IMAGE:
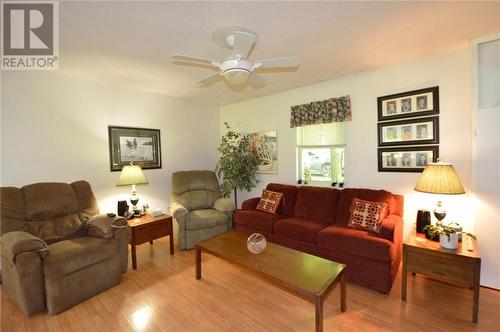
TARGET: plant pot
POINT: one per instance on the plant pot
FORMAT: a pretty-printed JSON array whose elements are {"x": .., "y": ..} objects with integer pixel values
[{"x": 452, "y": 243}]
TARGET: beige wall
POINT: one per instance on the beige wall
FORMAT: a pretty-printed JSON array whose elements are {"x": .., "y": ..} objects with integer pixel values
[
  {"x": 450, "y": 71},
  {"x": 55, "y": 128},
  {"x": 487, "y": 156}
]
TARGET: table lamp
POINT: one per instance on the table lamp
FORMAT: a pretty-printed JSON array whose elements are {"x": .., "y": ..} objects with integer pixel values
[
  {"x": 440, "y": 178},
  {"x": 132, "y": 175}
]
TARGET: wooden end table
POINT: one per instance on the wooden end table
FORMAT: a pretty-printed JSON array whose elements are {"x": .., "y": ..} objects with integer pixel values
[
  {"x": 282, "y": 266},
  {"x": 461, "y": 267},
  {"x": 147, "y": 228}
]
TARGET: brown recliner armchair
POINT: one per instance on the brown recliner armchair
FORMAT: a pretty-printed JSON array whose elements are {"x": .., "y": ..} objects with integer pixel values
[{"x": 56, "y": 251}]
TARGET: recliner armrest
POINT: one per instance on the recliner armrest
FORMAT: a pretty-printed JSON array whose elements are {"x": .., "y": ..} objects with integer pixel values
[
  {"x": 103, "y": 226},
  {"x": 17, "y": 242},
  {"x": 392, "y": 228},
  {"x": 178, "y": 210},
  {"x": 224, "y": 205},
  {"x": 250, "y": 204}
]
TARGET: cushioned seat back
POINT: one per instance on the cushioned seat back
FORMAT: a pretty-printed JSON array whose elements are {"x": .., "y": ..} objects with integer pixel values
[
  {"x": 195, "y": 189},
  {"x": 346, "y": 196},
  {"x": 290, "y": 192},
  {"x": 317, "y": 203},
  {"x": 50, "y": 211}
]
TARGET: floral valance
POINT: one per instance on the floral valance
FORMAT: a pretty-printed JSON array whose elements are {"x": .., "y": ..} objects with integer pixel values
[{"x": 324, "y": 111}]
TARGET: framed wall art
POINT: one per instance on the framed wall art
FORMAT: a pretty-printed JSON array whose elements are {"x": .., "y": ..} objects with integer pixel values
[
  {"x": 406, "y": 159},
  {"x": 409, "y": 104},
  {"x": 265, "y": 146},
  {"x": 409, "y": 132},
  {"x": 138, "y": 145}
]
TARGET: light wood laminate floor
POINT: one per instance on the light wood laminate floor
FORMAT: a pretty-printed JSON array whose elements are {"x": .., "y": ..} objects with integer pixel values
[{"x": 163, "y": 295}]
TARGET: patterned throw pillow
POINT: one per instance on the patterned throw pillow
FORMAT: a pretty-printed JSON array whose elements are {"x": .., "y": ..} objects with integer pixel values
[
  {"x": 367, "y": 215},
  {"x": 270, "y": 201}
]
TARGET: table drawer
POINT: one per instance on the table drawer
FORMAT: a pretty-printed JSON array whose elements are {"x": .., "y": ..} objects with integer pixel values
[
  {"x": 150, "y": 232},
  {"x": 453, "y": 270}
]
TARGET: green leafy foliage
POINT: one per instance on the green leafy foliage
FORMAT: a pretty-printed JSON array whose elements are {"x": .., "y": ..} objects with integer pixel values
[
  {"x": 237, "y": 164},
  {"x": 440, "y": 228}
]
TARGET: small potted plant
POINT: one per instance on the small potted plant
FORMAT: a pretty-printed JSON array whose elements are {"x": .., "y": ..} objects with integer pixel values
[{"x": 448, "y": 234}]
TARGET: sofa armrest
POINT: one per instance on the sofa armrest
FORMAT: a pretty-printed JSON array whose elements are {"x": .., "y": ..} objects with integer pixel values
[
  {"x": 179, "y": 213},
  {"x": 178, "y": 210},
  {"x": 15, "y": 243},
  {"x": 392, "y": 228},
  {"x": 103, "y": 226},
  {"x": 224, "y": 205},
  {"x": 250, "y": 204}
]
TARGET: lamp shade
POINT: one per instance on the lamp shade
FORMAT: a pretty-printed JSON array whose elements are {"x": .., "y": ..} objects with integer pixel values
[
  {"x": 440, "y": 178},
  {"x": 130, "y": 175}
]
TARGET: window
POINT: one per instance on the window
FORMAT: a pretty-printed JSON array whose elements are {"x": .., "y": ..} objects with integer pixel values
[{"x": 320, "y": 152}]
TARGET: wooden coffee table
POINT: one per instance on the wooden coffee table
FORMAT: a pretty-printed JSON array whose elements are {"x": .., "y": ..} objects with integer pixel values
[
  {"x": 147, "y": 228},
  {"x": 282, "y": 266}
]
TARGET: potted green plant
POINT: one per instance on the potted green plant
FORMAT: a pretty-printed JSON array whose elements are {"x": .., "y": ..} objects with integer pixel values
[
  {"x": 448, "y": 234},
  {"x": 237, "y": 164}
]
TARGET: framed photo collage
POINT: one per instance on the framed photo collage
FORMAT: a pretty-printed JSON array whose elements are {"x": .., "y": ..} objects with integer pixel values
[{"x": 408, "y": 130}]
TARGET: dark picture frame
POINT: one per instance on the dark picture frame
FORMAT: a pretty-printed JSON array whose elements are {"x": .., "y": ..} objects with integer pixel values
[
  {"x": 141, "y": 146},
  {"x": 406, "y": 159},
  {"x": 409, "y": 132},
  {"x": 423, "y": 102}
]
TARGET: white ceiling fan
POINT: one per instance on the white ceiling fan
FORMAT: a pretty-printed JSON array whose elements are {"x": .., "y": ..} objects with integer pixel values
[{"x": 237, "y": 69}]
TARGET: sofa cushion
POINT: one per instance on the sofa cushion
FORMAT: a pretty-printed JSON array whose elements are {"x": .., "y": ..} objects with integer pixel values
[
  {"x": 346, "y": 196},
  {"x": 355, "y": 242},
  {"x": 366, "y": 215},
  {"x": 257, "y": 219},
  {"x": 288, "y": 205},
  {"x": 206, "y": 218},
  {"x": 87, "y": 202},
  {"x": 270, "y": 201},
  {"x": 57, "y": 228},
  {"x": 195, "y": 189},
  {"x": 301, "y": 229},
  {"x": 12, "y": 214},
  {"x": 318, "y": 204},
  {"x": 45, "y": 201},
  {"x": 69, "y": 256}
]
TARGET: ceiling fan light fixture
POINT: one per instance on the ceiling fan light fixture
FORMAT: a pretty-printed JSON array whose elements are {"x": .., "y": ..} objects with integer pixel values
[
  {"x": 236, "y": 68},
  {"x": 236, "y": 76}
]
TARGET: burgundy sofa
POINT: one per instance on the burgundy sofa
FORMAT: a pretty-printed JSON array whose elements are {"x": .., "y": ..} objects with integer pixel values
[{"x": 314, "y": 219}]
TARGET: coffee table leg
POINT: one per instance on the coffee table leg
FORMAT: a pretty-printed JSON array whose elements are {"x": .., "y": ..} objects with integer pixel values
[
  {"x": 134, "y": 257},
  {"x": 197, "y": 255},
  {"x": 343, "y": 293},
  {"x": 319, "y": 313}
]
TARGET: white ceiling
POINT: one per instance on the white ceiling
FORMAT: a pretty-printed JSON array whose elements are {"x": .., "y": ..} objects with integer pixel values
[{"x": 129, "y": 43}]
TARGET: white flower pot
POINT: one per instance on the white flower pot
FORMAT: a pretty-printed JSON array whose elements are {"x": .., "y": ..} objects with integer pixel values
[{"x": 452, "y": 243}]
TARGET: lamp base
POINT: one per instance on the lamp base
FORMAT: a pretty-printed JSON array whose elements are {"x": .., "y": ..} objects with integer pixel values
[{"x": 439, "y": 211}]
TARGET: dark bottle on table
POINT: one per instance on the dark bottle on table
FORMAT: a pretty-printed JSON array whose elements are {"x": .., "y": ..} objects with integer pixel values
[{"x": 423, "y": 219}]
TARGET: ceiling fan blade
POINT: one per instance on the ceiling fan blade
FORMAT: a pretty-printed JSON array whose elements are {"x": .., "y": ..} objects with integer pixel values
[
  {"x": 242, "y": 43},
  {"x": 210, "y": 78},
  {"x": 256, "y": 81},
  {"x": 194, "y": 59},
  {"x": 285, "y": 62}
]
